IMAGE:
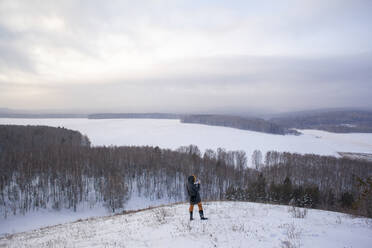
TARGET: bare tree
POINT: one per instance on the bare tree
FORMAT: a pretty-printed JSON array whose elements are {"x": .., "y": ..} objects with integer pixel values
[{"x": 257, "y": 159}]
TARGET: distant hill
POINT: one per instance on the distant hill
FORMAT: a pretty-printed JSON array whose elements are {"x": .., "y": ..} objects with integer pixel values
[
  {"x": 134, "y": 116},
  {"x": 338, "y": 121},
  {"x": 5, "y": 110},
  {"x": 37, "y": 114},
  {"x": 331, "y": 120},
  {"x": 41, "y": 116},
  {"x": 253, "y": 124}
]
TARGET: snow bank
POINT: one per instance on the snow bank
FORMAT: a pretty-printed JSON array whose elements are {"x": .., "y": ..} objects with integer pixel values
[{"x": 230, "y": 224}]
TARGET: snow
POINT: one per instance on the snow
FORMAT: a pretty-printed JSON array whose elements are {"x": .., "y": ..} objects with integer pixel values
[
  {"x": 44, "y": 217},
  {"x": 230, "y": 224},
  {"x": 173, "y": 134}
]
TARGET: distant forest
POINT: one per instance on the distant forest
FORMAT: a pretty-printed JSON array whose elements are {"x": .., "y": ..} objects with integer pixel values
[
  {"x": 55, "y": 168},
  {"x": 41, "y": 116},
  {"x": 338, "y": 121},
  {"x": 342, "y": 121},
  {"x": 253, "y": 124},
  {"x": 134, "y": 116}
]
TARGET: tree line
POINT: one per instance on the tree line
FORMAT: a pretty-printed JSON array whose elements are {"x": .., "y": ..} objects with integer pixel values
[
  {"x": 309, "y": 180},
  {"x": 56, "y": 168},
  {"x": 337, "y": 121},
  {"x": 245, "y": 123}
]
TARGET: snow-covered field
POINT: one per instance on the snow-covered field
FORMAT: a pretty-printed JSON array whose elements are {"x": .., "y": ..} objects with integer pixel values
[
  {"x": 173, "y": 134},
  {"x": 230, "y": 224}
]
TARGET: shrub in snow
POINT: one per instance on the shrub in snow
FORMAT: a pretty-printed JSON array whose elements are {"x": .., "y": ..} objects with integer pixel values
[
  {"x": 297, "y": 212},
  {"x": 161, "y": 214}
]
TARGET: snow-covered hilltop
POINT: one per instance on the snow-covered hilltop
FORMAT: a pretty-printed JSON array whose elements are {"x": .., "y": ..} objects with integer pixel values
[{"x": 230, "y": 224}]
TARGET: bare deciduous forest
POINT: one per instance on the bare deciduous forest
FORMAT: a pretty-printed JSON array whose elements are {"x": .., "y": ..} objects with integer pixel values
[
  {"x": 245, "y": 123},
  {"x": 56, "y": 168}
]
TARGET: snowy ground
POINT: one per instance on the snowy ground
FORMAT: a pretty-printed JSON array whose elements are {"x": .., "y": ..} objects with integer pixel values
[
  {"x": 43, "y": 217},
  {"x": 173, "y": 134},
  {"x": 230, "y": 224}
]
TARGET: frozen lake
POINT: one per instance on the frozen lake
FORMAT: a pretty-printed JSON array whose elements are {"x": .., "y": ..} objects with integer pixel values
[{"x": 173, "y": 134}]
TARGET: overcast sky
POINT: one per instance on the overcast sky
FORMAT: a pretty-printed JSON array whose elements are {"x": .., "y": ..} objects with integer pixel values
[{"x": 185, "y": 56}]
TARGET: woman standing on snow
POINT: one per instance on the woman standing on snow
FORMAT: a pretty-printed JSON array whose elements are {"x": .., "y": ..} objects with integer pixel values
[{"x": 193, "y": 187}]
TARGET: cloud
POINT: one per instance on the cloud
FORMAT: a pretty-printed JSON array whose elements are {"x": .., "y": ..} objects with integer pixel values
[{"x": 185, "y": 55}]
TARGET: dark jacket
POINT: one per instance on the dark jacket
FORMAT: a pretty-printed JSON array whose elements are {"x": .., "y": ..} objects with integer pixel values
[{"x": 193, "y": 190}]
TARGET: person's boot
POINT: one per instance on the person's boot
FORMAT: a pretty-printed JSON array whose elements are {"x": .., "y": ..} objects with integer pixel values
[
  {"x": 201, "y": 213},
  {"x": 191, "y": 218}
]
